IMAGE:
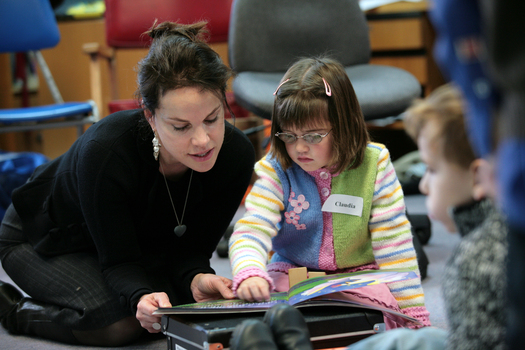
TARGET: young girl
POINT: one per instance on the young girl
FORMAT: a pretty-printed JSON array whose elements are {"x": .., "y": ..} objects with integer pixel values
[{"x": 326, "y": 198}]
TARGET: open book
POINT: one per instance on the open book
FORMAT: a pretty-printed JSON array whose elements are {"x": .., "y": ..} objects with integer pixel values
[{"x": 313, "y": 292}]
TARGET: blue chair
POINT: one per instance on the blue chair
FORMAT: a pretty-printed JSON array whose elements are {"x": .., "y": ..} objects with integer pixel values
[{"x": 33, "y": 27}]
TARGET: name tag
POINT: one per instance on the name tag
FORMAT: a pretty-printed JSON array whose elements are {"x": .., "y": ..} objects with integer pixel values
[{"x": 344, "y": 204}]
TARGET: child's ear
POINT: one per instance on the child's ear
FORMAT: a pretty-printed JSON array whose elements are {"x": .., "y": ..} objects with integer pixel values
[{"x": 483, "y": 179}]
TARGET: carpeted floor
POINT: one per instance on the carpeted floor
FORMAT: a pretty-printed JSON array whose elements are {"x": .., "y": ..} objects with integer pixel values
[{"x": 438, "y": 249}]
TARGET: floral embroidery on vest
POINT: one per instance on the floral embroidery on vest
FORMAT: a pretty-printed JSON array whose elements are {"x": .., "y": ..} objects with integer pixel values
[{"x": 299, "y": 204}]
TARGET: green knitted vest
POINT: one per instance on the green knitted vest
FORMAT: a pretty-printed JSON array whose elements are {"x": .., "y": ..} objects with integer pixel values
[{"x": 352, "y": 241}]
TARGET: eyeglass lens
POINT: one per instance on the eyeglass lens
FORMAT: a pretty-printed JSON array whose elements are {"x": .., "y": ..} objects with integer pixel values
[{"x": 310, "y": 138}]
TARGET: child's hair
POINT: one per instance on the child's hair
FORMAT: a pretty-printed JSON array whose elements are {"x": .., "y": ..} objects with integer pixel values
[
  {"x": 302, "y": 101},
  {"x": 444, "y": 108}
]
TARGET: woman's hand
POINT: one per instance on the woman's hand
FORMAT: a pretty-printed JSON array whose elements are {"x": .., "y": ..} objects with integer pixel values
[
  {"x": 207, "y": 286},
  {"x": 147, "y": 304},
  {"x": 254, "y": 289}
]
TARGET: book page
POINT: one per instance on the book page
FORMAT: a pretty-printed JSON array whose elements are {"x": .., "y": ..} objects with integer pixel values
[
  {"x": 342, "y": 299},
  {"x": 318, "y": 286},
  {"x": 224, "y": 306}
]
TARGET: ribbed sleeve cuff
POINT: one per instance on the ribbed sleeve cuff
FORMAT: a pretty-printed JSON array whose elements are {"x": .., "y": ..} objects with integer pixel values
[
  {"x": 250, "y": 272},
  {"x": 280, "y": 267},
  {"x": 419, "y": 312}
]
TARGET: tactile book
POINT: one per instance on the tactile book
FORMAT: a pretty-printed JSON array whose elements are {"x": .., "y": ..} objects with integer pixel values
[{"x": 313, "y": 292}]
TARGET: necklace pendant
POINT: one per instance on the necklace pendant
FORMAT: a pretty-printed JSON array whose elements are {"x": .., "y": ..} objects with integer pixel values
[{"x": 179, "y": 230}]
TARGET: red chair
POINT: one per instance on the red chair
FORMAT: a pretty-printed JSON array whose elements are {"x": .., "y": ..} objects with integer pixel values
[{"x": 125, "y": 23}]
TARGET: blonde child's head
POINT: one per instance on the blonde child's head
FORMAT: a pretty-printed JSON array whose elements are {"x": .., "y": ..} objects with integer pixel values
[
  {"x": 454, "y": 176},
  {"x": 317, "y": 91},
  {"x": 442, "y": 112}
]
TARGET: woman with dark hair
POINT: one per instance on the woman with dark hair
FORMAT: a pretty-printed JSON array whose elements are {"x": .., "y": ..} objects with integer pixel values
[{"x": 127, "y": 219}]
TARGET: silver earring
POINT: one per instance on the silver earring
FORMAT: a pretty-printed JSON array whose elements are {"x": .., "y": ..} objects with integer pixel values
[{"x": 156, "y": 146}]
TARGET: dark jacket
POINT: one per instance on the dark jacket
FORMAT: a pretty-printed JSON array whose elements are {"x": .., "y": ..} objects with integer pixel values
[{"x": 474, "y": 279}]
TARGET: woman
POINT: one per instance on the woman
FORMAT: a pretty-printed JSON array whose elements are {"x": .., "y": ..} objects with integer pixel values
[{"x": 127, "y": 220}]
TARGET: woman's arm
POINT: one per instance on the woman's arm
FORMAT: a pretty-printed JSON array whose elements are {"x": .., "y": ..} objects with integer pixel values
[{"x": 108, "y": 187}]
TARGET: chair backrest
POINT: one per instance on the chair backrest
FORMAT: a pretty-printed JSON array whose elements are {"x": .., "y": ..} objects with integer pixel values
[
  {"x": 28, "y": 25},
  {"x": 126, "y": 21},
  {"x": 269, "y": 35}
]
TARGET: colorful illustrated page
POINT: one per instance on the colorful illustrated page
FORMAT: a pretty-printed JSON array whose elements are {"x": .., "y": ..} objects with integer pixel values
[{"x": 319, "y": 286}]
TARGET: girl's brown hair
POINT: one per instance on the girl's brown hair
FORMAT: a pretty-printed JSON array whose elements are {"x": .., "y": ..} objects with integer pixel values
[{"x": 302, "y": 101}]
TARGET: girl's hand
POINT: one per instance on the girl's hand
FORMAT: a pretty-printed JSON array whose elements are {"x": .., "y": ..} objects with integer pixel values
[
  {"x": 207, "y": 286},
  {"x": 147, "y": 304},
  {"x": 254, "y": 289}
]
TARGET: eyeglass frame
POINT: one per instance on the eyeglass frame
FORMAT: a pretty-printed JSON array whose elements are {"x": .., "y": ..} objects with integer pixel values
[{"x": 313, "y": 134}]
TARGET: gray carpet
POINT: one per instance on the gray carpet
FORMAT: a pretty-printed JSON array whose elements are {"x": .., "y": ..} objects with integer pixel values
[{"x": 438, "y": 249}]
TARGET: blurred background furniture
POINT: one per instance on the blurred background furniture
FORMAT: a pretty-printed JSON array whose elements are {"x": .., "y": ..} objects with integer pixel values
[
  {"x": 266, "y": 37},
  {"x": 36, "y": 29},
  {"x": 402, "y": 36},
  {"x": 70, "y": 66}
]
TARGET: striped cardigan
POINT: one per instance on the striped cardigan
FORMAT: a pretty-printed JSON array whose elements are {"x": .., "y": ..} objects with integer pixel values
[{"x": 338, "y": 243}]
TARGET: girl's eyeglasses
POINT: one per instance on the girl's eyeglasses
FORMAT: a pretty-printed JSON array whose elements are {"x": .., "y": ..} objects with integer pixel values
[{"x": 312, "y": 138}]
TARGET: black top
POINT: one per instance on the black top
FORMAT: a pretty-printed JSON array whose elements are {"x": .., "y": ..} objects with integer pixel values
[{"x": 106, "y": 194}]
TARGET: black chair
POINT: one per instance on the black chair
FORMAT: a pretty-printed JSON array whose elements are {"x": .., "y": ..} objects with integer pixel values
[{"x": 266, "y": 37}]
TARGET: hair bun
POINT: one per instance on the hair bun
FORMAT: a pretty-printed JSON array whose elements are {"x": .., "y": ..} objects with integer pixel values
[{"x": 195, "y": 32}]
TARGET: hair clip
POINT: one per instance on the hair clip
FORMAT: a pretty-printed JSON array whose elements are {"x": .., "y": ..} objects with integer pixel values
[
  {"x": 281, "y": 84},
  {"x": 327, "y": 88}
]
